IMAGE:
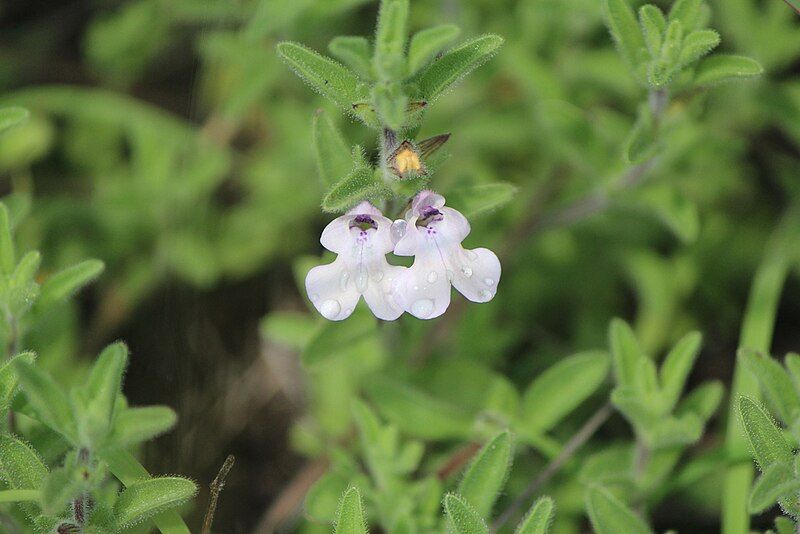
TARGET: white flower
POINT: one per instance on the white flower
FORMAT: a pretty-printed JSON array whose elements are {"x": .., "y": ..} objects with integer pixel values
[
  {"x": 433, "y": 234},
  {"x": 361, "y": 238}
]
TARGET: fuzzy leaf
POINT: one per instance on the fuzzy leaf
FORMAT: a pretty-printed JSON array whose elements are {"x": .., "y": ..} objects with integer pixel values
[
  {"x": 722, "y": 68},
  {"x": 625, "y": 351},
  {"x": 12, "y": 116},
  {"x": 332, "y": 154},
  {"x": 329, "y": 78},
  {"x": 792, "y": 362},
  {"x": 776, "y": 384},
  {"x": 7, "y": 261},
  {"x": 454, "y": 65},
  {"x": 105, "y": 382},
  {"x": 391, "y": 104},
  {"x": 46, "y": 397},
  {"x": 360, "y": 184},
  {"x": 353, "y": 51},
  {"x": 702, "y": 401},
  {"x": 335, "y": 335},
  {"x": 390, "y": 39},
  {"x": 350, "y": 515},
  {"x": 776, "y": 483},
  {"x": 653, "y": 25},
  {"x": 662, "y": 70},
  {"x": 461, "y": 518},
  {"x": 539, "y": 518},
  {"x": 688, "y": 12},
  {"x": 766, "y": 440},
  {"x": 59, "y": 487},
  {"x": 427, "y": 43},
  {"x": 292, "y": 329},
  {"x": 610, "y": 516},
  {"x": 146, "y": 498},
  {"x": 68, "y": 281},
  {"x": 477, "y": 199},
  {"x": 562, "y": 388},
  {"x": 486, "y": 474},
  {"x": 696, "y": 45},
  {"x": 136, "y": 425},
  {"x": 20, "y": 464},
  {"x": 624, "y": 29},
  {"x": 8, "y": 379},
  {"x": 677, "y": 366}
]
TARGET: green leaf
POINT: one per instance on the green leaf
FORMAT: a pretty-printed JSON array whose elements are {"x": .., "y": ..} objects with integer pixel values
[
  {"x": 329, "y": 78},
  {"x": 642, "y": 140},
  {"x": 136, "y": 425},
  {"x": 776, "y": 483},
  {"x": 722, "y": 68},
  {"x": 360, "y": 184},
  {"x": 677, "y": 366},
  {"x": 662, "y": 70},
  {"x": 696, "y": 45},
  {"x": 610, "y": 516},
  {"x": 653, "y": 25},
  {"x": 702, "y": 401},
  {"x": 105, "y": 382},
  {"x": 477, "y": 199},
  {"x": 144, "y": 499},
  {"x": 46, "y": 397},
  {"x": 562, "y": 388},
  {"x": 332, "y": 154},
  {"x": 461, "y": 518},
  {"x": 784, "y": 525},
  {"x": 59, "y": 487},
  {"x": 766, "y": 440},
  {"x": 625, "y": 352},
  {"x": 486, "y": 474},
  {"x": 7, "y": 261},
  {"x": 20, "y": 464},
  {"x": 622, "y": 25},
  {"x": 427, "y": 43},
  {"x": 12, "y": 116},
  {"x": 454, "y": 65},
  {"x": 776, "y": 384},
  {"x": 68, "y": 281},
  {"x": 390, "y": 39},
  {"x": 688, "y": 12},
  {"x": 322, "y": 500},
  {"x": 8, "y": 379},
  {"x": 353, "y": 51},
  {"x": 391, "y": 104},
  {"x": 350, "y": 515},
  {"x": 539, "y": 518},
  {"x": 336, "y": 335},
  {"x": 292, "y": 329}
]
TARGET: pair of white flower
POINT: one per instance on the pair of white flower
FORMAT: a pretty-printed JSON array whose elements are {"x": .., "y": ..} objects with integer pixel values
[{"x": 430, "y": 232}]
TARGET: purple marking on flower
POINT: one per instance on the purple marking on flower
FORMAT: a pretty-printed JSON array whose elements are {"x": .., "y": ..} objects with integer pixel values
[
  {"x": 364, "y": 222},
  {"x": 429, "y": 214}
]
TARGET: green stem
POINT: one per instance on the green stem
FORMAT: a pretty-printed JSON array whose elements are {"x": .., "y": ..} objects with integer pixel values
[{"x": 19, "y": 495}]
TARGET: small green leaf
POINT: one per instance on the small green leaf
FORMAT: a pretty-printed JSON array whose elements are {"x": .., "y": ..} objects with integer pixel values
[
  {"x": 477, "y": 199},
  {"x": 561, "y": 388},
  {"x": 776, "y": 483},
  {"x": 461, "y": 518},
  {"x": 25, "y": 271},
  {"x": 353, "y": 51},
  {"x": 653, "y": 25},
  {"x": 390, "y": 39},
  {"x": 784, "y": 525},
  {"x": 391, "y": 104},
  {"x": 688, "y": 12},
  {"x": 68, "y": 281},
  {"x": 610, "y": 516},
  {"x": 661, "y": 71},
  {"x": 350, "y": 515},
  {"x": 136, "y": 425},
  {"x": 677, "y": 366},
  {"x": 20, "y": 464},
  {"x": 8, "y": 379},
  {"x": 323, "y": 499},
  {"x": 454, "y": 65},
  {"x": 359, "y": 185},
  {"x": 46, "y": 397},
  {"x": 331, "y": 152},
  {"x": 105, "y": 382},
  {"x": 486, "y": 474},
  {"x": 7, "y": 261},
  {"x": 696, "y": 45},
  {"x": 59, "y": 487},
  {"x": 539, "y": 518},
  {"x": 703, "y": 400},
  {"x": 766, "y": 440},
  {"x": 625, "y": 351},
  {"x": 624, "y": 29},
  {"x": 776, "y": 384},
  {"x": 722, "y": 68},
  {"x": 12, "y": 116},
  {"x": 792, "y": 362},
  {"x": 427, "y": 43},
  {"x": 292, "y": 329},
  {"x": 146, "y": 498},
  {"x": 329, "y": 78},
  {"x": 335, "y": 335}
]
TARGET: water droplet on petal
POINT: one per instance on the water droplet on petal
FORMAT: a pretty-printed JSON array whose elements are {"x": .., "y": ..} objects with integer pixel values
[
  {"x": 343, "y": 281},
  {"x": 485, "y": 295},
  {"x": 361, "y": 282},
  {"x": 314, "y": 297},
  {"x": 466, "y": 270},
  {"x": 330, "y": 309},
  {"x": 489, "y": 282},
  {"x": 398, "y": 230},
  {"x": 377, "y": 276},
  {"x": 432, "y": 277},
  {"x": 422, "y": 308},
  {"x": 470, "y": 255},
  {"x": 449, "y": 275}
]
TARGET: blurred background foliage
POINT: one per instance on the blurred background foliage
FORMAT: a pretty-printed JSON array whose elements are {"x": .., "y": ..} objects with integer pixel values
[{"x": 167, "y": 139}]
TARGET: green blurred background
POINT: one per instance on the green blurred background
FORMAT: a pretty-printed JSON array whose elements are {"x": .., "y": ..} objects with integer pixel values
[{"x": 168, "y": 140}]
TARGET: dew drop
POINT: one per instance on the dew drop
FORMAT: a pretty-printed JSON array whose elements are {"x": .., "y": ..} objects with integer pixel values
[
  {"x": 344, "y": 279},
  {"x": 471, "y": 256},
  {"x": 377, "y": 276},
  {"x": 489, "y": 282},
  {"x": 330, "y": 309},
  {"x": 361, "y": 282},
  {"x": 422, "y": 308},
  {"x": 485, "y": 295},
  {"x": 432, "y": 277},
  {"x": 466, "y": 270}
]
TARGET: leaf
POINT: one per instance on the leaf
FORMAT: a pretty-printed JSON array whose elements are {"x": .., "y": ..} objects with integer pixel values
[
  {"x": 68, "y": 281},
  {"x": 766, "y": 440},
  {"x": 390, "y": 39},
  {"x": 702, "y": 401},
  {"x": 696, "y": 45},
  {"x": 562, "y": 388},
  {"x": 641, "y": 142},
  {"x": 8, "y": 379},
  {"x": 322, "y": 500},
  {"x": 486, "y": 474},
  {"x": 539, "y": 518},
  {"x": 391, "y": 104},
  {"x": 461, "y": 518},
  {"x": 353, "y": 51},
  {"x": 144, "y": 499},
  {"x": 477, "y": 199},
  {"x": 792, "y": 362},
  {"x": 358, "y": 185},
  {"x": 454, "y": 65},
  {"x": 427, "y": 43},
  {"x": 625, "y": 351},
  {"x": 332, "y": 154},
  {"x": 7, "y": 261},
  {"x": 59, "y": 487},
  {"x": 688, "y": 12},
  {"x": 610, "y": 516},
  {"x": 350, "y": 515},
  {"x": 722, "y": 68},
  {"x": 105, "y": 382},
  {"x": 776, "y": 483},
  {"x": 292, "y": 329},
  {"x": 661, "y": 71},
  {"x": 776, "y": 384},
  {"x": 653, "y": 25},
  {"x": 624, "y": 29},
  {"x": 336, "y": 335},
  {"x": 20, "y": 464},
  {"x": 12, "y": 116},
  {"x": 46, "y": 397},
  {"x": 136, "y": 425},
  {"x": 329, "y": 78},
  {"x": 677, "y": 366}
]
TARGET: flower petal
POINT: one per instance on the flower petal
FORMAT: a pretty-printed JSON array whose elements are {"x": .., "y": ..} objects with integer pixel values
[
  {"x": 332, "y": 290},
  {"x": 453, "y": 227},
  {"x": 423, "y": 289},
  {"x": 365, "y": 208},
  {"x": 336, "y": 236},
  {"x": 426, "y": 198},
  {"x": 411, "y": 242},
  {"x": 476, "y": 273},
  {"x": 380, "y": 294}
]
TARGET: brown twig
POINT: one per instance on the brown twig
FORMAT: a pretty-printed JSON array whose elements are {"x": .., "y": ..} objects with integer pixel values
[
  {"x": 288, "y": 502},
  {"x": 214, "y": 490}
]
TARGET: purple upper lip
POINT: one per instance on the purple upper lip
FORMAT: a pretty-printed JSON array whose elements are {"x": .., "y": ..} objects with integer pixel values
[{"x": 363, "y": 220}]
